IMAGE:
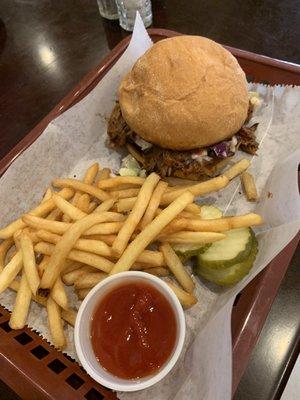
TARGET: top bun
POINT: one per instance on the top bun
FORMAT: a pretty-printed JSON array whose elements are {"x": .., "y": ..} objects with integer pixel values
[{"x": 185, "y": 92}]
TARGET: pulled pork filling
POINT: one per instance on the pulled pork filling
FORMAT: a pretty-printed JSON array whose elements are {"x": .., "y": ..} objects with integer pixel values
[{"x": 192, "y": 164}]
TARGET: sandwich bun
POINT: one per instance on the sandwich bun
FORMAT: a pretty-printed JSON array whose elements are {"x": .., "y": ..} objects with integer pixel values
[{"x": 184, "y": 93}]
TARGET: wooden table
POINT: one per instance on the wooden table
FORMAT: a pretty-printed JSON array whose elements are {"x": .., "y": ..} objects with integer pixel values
[{"x": 48, "y": 46}]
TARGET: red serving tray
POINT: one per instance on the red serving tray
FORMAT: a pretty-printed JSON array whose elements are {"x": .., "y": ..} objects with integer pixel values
[{"x": 34, "y": 369}]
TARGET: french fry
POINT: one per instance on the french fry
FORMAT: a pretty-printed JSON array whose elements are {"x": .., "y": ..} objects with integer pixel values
[
  {"x": 83, "y": 203},
  {"x": 192, "y": 237},
  {"x": 135, "y": 216},
  {"x": 42, "y": 265},
  {"x": 237, "y": 169},
  {"x": 103, "y": 174},
  {"x": 118, "y": 181},
  {"x": 69, "y": 278},
  {"x": 89, "y": 178},
  {"x": 175, "y": 182},
  {"x": 41, "y": 210},
  {"x": 10, "y": 271},
  {"x": 193, "y": 208},
  {"x": 154, "y": 258},
  {"x": 66, "y": 218},
  {"x": 83, "y": 257},
  {"x": 153, "y": 204},
  {"x": 91, "y": 174},
  {"x": 249, "y": 186},
  {"x": 71, "y": 266},
  {"x": 223, "y": 224},
  {"x": 82, "y": 187},
  {"x": 142, "y": 240},
  {"x": 62, "y": 227},
  {"x": 105, "y": 206},
  {"x": 178, "y": 224},
  {"x": 55, "y": 215},
  {"x": 107, "y": 228},
  {"x": 89, "y": 280},
  {"x": 47, "y": 195},
  {"x": 59, "y": 294},
  {"x": 69, "y": 316},
  {"x": 107, "y": 239},
  {"x": 22, "y": 303},
  {"x": 186, "y": 299},
  {"x": 30, "y": 268},
  {"x": 68, "y": 208},
  {"x": 55, "y": 324},
  {"x": 124, "y": 205},
  {"x": 124, "y": 193},
  {"x": 176, "y": 267},
  {"x": 92, "y": 207},
  {"x": 4, "y": 247},
  {"x": 200, "y": 189},
  {"x": 157, "y": 271},
  {"x": 82, "y": 293}
]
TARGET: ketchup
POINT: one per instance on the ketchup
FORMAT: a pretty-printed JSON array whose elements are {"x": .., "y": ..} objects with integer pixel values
[{"x": 133, "y": 330}]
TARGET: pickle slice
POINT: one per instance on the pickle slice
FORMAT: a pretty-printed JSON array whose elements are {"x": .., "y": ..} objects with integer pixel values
[
  {"x": 231, "y": 275},
  {"x": 234, "y": 249},
  {"x": 188, "y": 250}
]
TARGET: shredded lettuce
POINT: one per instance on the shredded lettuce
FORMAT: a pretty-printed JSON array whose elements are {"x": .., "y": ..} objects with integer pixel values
[{"x": 130, "y": 167}]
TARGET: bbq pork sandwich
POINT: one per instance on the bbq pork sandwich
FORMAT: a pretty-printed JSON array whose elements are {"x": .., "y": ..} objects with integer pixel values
[{"x": 182, "y": 109}]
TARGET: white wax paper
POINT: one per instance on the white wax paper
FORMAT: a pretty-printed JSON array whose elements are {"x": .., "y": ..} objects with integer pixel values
[{"x": 74, "y": 140}]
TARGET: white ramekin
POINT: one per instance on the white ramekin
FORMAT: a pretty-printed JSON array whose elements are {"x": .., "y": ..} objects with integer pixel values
[{"x": 83, "y": 341}]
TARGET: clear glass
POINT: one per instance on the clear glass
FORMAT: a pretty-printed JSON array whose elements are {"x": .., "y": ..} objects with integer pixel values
[
  {"x": 127, "y": 10},
  {"x": 108, "y": 9}
]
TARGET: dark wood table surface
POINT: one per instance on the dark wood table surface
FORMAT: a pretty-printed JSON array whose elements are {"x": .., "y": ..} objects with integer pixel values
[{"x": 47, "y": 46}]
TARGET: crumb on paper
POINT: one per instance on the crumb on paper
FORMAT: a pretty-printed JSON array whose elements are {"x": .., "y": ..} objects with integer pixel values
[{"x": 270, "y": 195}]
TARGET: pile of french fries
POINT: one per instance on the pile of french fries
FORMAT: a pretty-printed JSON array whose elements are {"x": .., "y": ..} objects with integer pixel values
[{"x": 101, "y": 225}]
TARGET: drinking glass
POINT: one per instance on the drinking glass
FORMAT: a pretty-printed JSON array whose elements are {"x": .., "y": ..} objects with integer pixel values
[
  {"x": 108, "y": 9},
  {"x": 127, "y": 11}
]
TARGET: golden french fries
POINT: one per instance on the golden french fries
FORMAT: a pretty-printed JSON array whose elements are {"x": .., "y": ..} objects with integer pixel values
[
  {"x": 21, "y": 307},
  {"x": 153, "y": 204},
  {"x": 81, "y": 186},
  {"x": 99, "y": 247},
  {"x": 89, "y": 280},
  {"x": 73, "y": 238},
  {"x": 55, "y": 324},
  {"x": 70, "y": 277},
  {"x": 59, "y": 294},
  {"x": 84, "y": 204},
  {"x": 186, "y": 299},
  {"x": 103, "y": 174},
  {"x": 11, "y": 270},
  {"x": 82, "y": 293},
  {"x": 68, "y": 209},
  {"x": 119, "y": 181},
  {"x": 30, "y": 268},
  {"x": 133, "y": 250},
  {"x": 200, "y": 189},
  {"x": 62, "y": 227},
  {"x": 83, "y": 257},
  {"x": 249, "y": 186},
  {"x": 41, "y": 210},
  {"x": 135, "y": 216},
  {"x": 176, "y": 267},
  {"x": 4, "y": 247},
  {"x": 237, "y": 169},
  {"x": 192, "y": 237},
  {"x": 124, "y": 193},
  {"x": 221, "y": 224}
]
